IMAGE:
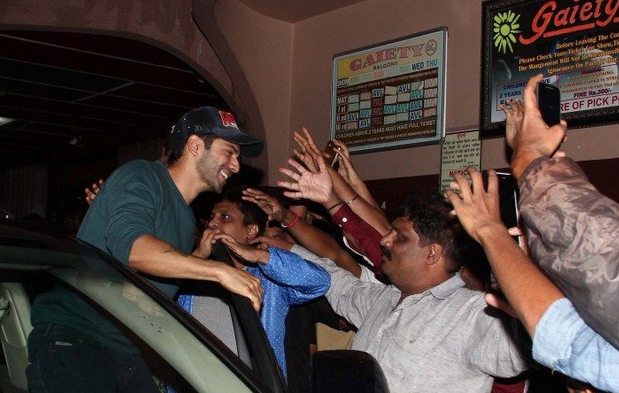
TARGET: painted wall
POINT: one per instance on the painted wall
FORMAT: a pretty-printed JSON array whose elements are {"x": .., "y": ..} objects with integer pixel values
[
  {"x": 263, "y": 48},
  {"x": 317, "y": 39},
  {"x": 288, "y": 66}
]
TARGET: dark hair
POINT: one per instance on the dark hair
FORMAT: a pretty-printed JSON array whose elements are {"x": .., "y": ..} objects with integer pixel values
[
  {"x": 252, "y": 214},
  {"x": 432, "y": 220},
  {"x": 177, "y": 147}
]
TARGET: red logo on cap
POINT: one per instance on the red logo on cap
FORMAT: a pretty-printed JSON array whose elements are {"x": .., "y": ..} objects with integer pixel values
[{"x": 227, "y": 119}]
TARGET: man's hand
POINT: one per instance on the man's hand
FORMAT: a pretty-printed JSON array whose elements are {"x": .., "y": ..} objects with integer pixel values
[
  {"x": 534, "y": 139},
  {"x": 267, "y": 203},
  {"x": 205, "y": 247},
  {"x": 248, "y": 253},
  {"x": 346, "y": 169},
  {"x": 313, "y": 186},
  {"x": 308, "y": 151},
  {"x": 264, "y": 242},
  {"x": 498, "y": 301},
  {"x": 514, "y": 115},
  {"x": 242, "y": 283},
  {"x": 91, "y": 193},
  {"x": 476, "y": 208}
]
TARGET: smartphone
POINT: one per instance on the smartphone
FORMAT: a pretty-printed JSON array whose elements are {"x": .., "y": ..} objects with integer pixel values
[
  {"x": 549, "y": 103},
  {"x": 508, "y": 205},
  {"x": 332, "y": 152},
  {"x": 508, "y": 200}
]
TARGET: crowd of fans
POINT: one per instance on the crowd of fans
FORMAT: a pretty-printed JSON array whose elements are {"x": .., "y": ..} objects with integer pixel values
[{"x": 408, "y": 295}]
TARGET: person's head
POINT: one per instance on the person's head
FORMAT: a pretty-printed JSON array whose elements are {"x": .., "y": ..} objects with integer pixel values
[
  {"x": 423, "y": 242},
  {"x": 242, "y": 220},
  {"x": 210, "y": 139}
]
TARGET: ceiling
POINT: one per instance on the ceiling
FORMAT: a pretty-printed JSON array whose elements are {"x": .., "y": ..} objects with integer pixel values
[
  {"x": 75, "y": 97},
  {"x": 296, "y": 10}
]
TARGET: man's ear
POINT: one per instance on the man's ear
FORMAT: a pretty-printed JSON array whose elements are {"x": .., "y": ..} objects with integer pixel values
[
  {"x": 252, "y": 232},
  {"x": 435, "y": 251},
  {"x": 193, "y": 145}
]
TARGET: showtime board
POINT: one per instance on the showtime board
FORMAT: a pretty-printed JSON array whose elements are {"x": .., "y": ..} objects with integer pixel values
[{"x": 391, "y": 95}]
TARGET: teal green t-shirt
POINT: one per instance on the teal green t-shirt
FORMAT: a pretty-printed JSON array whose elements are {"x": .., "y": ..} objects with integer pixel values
[{"x": 139, "y": 198}]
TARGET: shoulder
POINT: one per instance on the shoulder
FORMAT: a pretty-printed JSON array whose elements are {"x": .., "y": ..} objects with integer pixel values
[{"x": 137, "y": 171}]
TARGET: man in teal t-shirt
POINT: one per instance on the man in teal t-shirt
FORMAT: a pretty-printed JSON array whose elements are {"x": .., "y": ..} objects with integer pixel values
[{"x": 142, "y": 218}]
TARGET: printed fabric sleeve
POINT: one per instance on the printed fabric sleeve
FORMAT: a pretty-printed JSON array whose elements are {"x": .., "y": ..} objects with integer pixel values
[
  {"x": 573, "y": 235},
  {"x": 131, "y": 208},
  {"x": 304, "y": 280},
  {"x": 367, "y": 237},
  {"x": 349, "y": 296},
  {"x": 563, "y": 342}
]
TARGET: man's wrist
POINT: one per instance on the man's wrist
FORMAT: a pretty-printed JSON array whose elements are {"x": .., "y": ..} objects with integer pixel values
[
  {"x": 263, "y": 257},
  {"x": 488, "y": 231},
  {"x": 288, "y": 217},
  {"x": 522, "y": 159}
]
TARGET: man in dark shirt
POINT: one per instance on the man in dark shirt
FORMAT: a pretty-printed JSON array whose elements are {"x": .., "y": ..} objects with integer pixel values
[{"x": 142, "y": 218}]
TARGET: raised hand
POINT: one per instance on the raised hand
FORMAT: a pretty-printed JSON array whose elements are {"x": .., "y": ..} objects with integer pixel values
[
  {"x": 91, "y": 193},
  {"x": 313, "y": 186},
  {"x": 514, "y": 115},
  {"x": 205, "y": 247},
  {"x": 270, "y": 205},
  {"x": 245, "y": 252},
  {"x": 534, "y": 139},
  {"x": 476, "y": 208},
  {"x": 308, "y": 151},
  {"x": 346, "y": 169},
  {"x": 264, "y": 242}
]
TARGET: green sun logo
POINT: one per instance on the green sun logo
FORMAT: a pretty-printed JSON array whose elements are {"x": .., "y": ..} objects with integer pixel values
[{"x": 505, "y": 29}]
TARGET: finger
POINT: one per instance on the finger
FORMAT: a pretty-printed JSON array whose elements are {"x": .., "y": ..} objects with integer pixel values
[
  {"x": 477, "y": 180},
  {"x": 493, "y": 182},
  {"x": 290, "y": 194},
  {"x": 529, "y": 94},
  {"x": 515, "y": 231},
  {"x": 288, "y": 185},
  {"x": 455, "y": 199},
  {"x": 497, "y": 302},
  {"x": 297, "y": 166},
  {"x": 321, "y": 165},
  {"x": 463, "y": 185},
  {"x": 309, "y": 138},
  {"x": 287, "y": 172}
]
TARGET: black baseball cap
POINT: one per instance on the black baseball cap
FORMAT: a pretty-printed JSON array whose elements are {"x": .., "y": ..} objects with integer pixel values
[{"x": 210, "y": 120}]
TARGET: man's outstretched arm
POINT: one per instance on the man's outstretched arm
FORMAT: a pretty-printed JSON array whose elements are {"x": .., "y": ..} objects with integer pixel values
[{"x": 151, "y": 255}]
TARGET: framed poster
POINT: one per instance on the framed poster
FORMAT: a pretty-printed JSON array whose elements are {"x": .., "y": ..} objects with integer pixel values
[
  {"x": 574, "y": 43},
  {"x": 390, "y": 95},
  {"x": 458, "y": 152}
]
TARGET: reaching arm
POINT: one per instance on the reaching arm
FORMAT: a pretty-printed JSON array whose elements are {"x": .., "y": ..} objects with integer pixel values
[
  {"x": 155, "y": 257},
  {"x": 533, "y": 138},
  {"x": 349, "y": 173},
  {"x": 526, "y": 288},
  {"x": 343, "y": 190},
  {"x": 310, "y": 237}
]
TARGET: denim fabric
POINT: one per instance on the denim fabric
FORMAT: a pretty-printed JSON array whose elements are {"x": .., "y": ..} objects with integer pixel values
[
  {"x": 563, "y": 342},
  {"x": 65, "y": 360}
]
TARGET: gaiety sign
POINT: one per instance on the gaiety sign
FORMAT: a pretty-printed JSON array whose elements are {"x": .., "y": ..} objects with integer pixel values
[
  {"x": 574, "y": 43},
  {"x": 554, "y": 19}
]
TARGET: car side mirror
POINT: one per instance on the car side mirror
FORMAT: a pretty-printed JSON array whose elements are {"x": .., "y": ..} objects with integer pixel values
[{"x": 347, "y": 371}]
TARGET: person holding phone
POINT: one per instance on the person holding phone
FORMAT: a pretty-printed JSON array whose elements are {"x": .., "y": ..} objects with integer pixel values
[
  {"x": 572, "y": 228},
  {"x": 561, "y": 339}
]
